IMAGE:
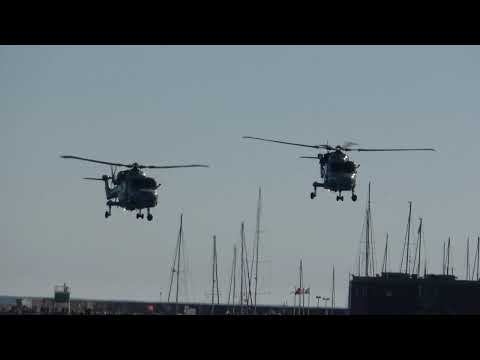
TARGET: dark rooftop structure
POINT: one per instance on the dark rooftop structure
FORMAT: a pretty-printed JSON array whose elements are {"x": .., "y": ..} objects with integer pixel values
[{"x": 401, "y": 293}]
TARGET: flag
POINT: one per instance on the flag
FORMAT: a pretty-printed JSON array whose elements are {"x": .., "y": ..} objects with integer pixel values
[
  {"x": 307, "y": 291},
  {"x": 299, "y": 291}
]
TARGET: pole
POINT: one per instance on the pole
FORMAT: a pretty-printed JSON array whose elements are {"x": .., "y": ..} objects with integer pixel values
[
  {"x": 478, "y": 254},
  {"x": 180, "y": 234},
  {"x": 216, "y": 271},
  {"x": 174, "y": 260},
  {"x": 213, "y": 273},
  {"x": 234, "y": 275},
  {"x": 257, "y": 241},
  {"x": 384, "y": 265},
  {"x": 367, "y": 234},
  {"x": 302, "y": 290},
  {"x": 333, "y": 288},
  {"x": 448, "y": 256},
  {"x": 408, "y": 234},
  {"x": 241, "y": 266},
  {"x": 468, "y": 256},
  {"x": 443, "y": 261},
  {"x": 419, "y": 245}
]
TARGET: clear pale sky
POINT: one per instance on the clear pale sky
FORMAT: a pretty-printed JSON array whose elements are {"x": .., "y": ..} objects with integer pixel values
[{"x": 192, "y": 104}]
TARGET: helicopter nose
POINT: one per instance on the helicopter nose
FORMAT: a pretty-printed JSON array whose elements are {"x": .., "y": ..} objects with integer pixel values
[{"x": 148, "y": 197}]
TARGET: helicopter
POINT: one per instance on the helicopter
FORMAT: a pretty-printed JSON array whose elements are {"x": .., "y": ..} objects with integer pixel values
[
  {"x": 336, "y": 168},
  {"x": 132, "y": 189}
]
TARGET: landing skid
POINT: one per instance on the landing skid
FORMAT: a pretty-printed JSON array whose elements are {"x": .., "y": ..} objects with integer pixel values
[
  {"x": 110, "y": 203},
  {"x": 108, "y": 213},
  {"x": 141, "y": 216},
  {"x": 313, "y": 194}
]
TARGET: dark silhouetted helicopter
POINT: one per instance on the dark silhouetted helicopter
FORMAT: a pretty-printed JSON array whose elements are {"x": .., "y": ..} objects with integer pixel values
[
  {"x": 336, "y": 168},
  {"x": 132, "y": 189}
]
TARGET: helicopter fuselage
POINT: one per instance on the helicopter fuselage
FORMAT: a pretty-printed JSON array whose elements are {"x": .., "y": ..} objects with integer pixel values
[
  {"x": 133, "y": 190},
  {"x": 340, "y": 182},
  {"x": 338, "y": 171}
]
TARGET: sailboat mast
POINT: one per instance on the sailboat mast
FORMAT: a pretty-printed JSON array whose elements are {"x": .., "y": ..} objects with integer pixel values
[
  {"x": 448, "y": 256},
  {"x": 333, "y": 288},
  {"x": 242, "y": 236},
  {"x": 478, "y": 254},
  {"x": 213, "y": 273},
  {"x": 234, "y": 275},
  {"x": 367, "y": 234},
  {"x": 300, "y": 302},
  {"x": 468, "y": 257},
  {"x": 385, "y": 259},
  {"x": 419, "y": 246},
  {"x": 259, "y": 207},
  {"x": 443, "y": 257},
  {"x": 408, "y": 234},
  {"x": 173, "y": 271},
  {"x": 216, "y": 272},
  {"x": 180, "y": 235}
]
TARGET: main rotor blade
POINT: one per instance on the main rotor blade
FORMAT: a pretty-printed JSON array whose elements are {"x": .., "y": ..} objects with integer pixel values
[
  {"x": 89, "y": 178},
  {"x": 170, "y": 166},
  {"x": 309, "y": 157},
  {"x": 92, "y": 160},
  {"x": 411, "y": 149},
  {"x": 284, "y": 142}
]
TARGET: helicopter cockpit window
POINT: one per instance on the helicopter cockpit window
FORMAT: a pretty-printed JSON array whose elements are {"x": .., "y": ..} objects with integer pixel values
[{"x": 144, "y": 183}]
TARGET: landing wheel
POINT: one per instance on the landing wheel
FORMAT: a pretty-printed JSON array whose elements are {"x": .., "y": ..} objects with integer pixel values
[
  {"x": 354, "y": 197},
  {"x": 138, "y": 216},
  {"x": 107, "y": 214},
  {"x": 312, "y": 195},
  {"x": 149, "y": 217},
  {"x": 338, "y": 197}
]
